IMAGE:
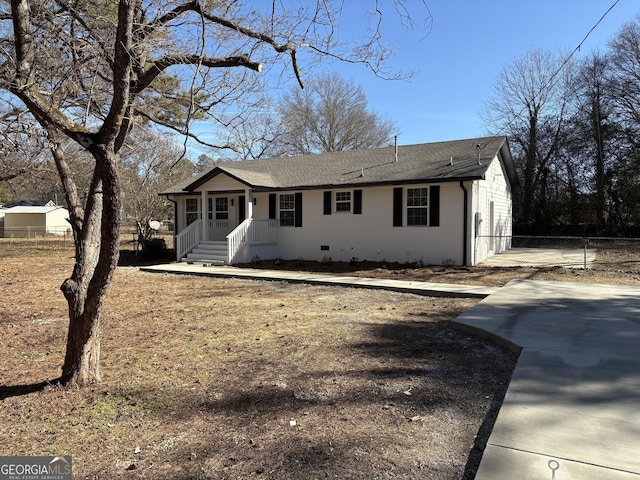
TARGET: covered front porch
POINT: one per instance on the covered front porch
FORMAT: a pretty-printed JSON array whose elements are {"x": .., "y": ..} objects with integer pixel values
[{"x": 221, "y": 229}]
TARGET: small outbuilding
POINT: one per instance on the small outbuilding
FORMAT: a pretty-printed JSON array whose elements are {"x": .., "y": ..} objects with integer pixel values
[{"x": 32, "y": 221}]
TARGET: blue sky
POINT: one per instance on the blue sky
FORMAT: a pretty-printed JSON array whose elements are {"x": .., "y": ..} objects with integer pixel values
[{"x": 459, "y": 60}]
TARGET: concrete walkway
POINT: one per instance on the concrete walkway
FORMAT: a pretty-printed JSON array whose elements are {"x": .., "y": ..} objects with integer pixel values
[
  {"x": 420, "y": 288},
  {"x": 572, "y": 408}
]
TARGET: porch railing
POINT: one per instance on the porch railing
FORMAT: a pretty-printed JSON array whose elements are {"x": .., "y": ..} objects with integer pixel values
[
  {"x": 187, "y": 239},
  {"x": 264, "y": 232},
  {"x": 248, "y": 233},
  {"x": 237, "y": 241}
]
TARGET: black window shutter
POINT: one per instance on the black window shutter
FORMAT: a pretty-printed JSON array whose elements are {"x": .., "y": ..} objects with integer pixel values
[
  {"x": 298, "y": 212},
  {"x": 434, "y": 206},
  {"x": 327, "y": 203},
  {"x": 357, "y": 202},
  {"x": 272, "y": 206},
  {"x": 397, "y": 207}
]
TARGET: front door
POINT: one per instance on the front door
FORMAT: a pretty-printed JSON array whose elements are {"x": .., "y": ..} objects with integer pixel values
[{"x": 219, "y": 222}]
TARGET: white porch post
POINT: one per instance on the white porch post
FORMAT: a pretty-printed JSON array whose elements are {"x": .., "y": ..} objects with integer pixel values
[
  {"x": 204, "y": 231},
  {"x": 248, "y": 194}
]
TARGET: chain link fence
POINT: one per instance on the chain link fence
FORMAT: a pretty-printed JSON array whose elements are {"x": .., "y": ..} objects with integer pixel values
[
  {"x": 37, "y": 236},
  {"x": 62, "y": 237},
  {"x": 600, "y": 253},
  {"x": 622, "y": 254}
]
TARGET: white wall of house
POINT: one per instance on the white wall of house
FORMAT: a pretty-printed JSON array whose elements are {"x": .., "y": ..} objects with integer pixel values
[
  {"x": 343, "y": 236},
  {"x": 492, "y": 214}
]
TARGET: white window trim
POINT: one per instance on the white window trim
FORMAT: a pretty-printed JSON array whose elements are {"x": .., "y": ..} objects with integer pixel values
[
  {"x": 191, "y": 212},
  {"x": 225, "y": 212},
  {"x": 292, "y": 210},
  {"x": 349, "y": 201},
  {"x": 408, "y": 207}
]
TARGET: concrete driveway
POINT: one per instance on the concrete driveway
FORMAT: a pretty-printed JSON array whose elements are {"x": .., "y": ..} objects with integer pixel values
[
  {"x": 543, "y": 257},
  {"x": 571, "y": 409}
]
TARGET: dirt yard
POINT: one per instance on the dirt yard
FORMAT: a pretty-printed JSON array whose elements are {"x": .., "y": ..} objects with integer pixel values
[
  {"x": 226, "y": 379},
  {"x": 612, "y": 273}
]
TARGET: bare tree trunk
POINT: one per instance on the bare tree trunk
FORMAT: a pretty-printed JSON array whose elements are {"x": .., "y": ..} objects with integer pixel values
[
  {"x": 95, "y": 264},
  {"x": 531, "y": 150}
]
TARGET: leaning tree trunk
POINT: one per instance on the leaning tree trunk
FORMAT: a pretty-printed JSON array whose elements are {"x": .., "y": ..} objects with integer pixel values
[{"x": 95, "y": 263}]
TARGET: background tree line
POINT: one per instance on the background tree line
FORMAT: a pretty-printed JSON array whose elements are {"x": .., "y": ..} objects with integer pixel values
[
  {"x": 574, "y": 131},
  {"x": 330, "y": 114},
  {"x": 573, "y": 126}
]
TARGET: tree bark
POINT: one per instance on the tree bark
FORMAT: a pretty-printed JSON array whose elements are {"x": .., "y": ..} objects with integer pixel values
[{"x": 96, "y": 260}]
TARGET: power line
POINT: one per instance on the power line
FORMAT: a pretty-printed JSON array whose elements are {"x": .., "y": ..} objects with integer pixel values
[
  {"x": 564, "y": 63},
  {"x": 577, "y": 49}
]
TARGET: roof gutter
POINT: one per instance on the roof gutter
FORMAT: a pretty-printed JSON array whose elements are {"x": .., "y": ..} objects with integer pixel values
[{"x": 465, "y": 223}]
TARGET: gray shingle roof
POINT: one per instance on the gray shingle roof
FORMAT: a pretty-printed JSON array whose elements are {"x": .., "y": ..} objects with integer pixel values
[{"x": 427, "y": 162}]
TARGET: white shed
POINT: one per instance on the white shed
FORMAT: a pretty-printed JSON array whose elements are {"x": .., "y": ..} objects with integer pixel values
[{"x": 31, "y": 221}]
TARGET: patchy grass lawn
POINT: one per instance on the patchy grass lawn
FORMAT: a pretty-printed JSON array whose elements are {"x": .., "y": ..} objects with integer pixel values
[{"x": 214, "y": 379}]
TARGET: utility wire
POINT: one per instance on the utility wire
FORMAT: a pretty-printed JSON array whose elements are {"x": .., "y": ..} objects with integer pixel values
[
  {"x": 564, "y": 63},
  {"x": 577, "y": 49}
]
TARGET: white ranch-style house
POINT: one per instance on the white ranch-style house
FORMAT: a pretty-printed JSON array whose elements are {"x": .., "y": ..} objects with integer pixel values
[{"x": 434, "y": 203}]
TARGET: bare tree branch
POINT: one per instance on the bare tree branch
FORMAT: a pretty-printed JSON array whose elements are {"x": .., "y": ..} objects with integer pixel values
[{"x": 162, "y": 64}]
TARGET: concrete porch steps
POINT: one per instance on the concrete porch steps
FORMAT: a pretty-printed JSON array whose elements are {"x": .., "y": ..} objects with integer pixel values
[{"x": 212, "y": 252}]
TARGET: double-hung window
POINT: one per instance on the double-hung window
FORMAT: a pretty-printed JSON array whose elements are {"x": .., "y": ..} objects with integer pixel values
[
  {"x": 343, "y": 201},
  {"x": 287, "y": 210},
  {"x": 417, "y": 206},
  {"x": 191, "y": 210}
]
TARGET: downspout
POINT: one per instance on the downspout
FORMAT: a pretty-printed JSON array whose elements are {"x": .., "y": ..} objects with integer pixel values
[
  {"x": 465, "y": 223},
  {"x": 175, "y": 224}
]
